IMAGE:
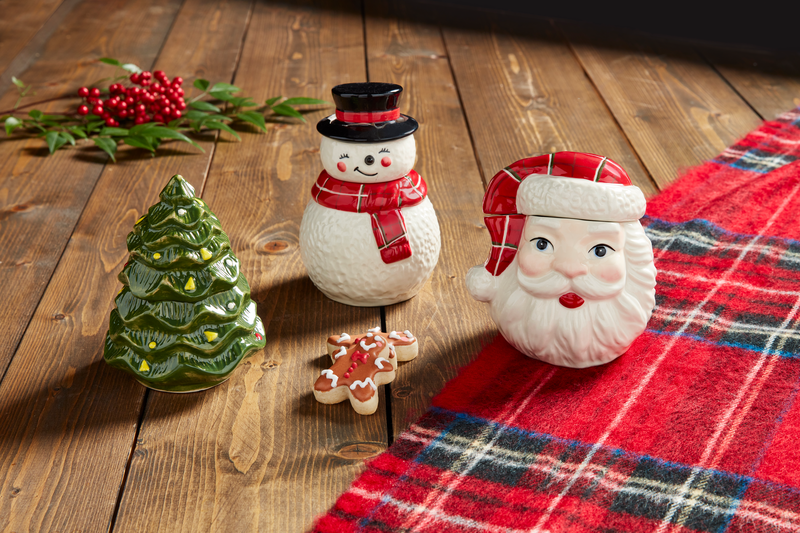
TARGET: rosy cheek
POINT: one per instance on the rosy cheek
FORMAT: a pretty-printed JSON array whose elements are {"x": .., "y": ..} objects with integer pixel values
[
  {"x": 386, "y": 161},
  {"x": 341, "y": 166},
  {"x": 609, "y": 273},
  {"x": 534, "y": 264}
]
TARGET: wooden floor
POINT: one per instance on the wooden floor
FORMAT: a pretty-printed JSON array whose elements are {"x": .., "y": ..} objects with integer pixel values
[{"x": 85, "y": 448}]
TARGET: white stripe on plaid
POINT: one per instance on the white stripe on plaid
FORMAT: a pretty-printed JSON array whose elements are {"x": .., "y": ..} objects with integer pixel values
[
  {"x": 651, "y": 371},
  {"x": 713, "y": 321},
  {"x": 421, "y": 509},
  {"x": 723, "y": 421},
  {"x": 502, "y": 244},
  {"x": 616, "y": 482},
  {"x": 703, "y": 241},
  {"x": 458, "y": 476},
  {"x": 731, "y": 283}
]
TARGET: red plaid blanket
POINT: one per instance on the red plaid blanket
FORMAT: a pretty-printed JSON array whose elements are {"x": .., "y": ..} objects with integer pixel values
[
  {"x": 382, "y": 201},
  {"x": 695, "y": 428}
]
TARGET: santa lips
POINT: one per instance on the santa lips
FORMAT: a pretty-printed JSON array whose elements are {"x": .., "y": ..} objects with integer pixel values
[{"x": 570, "y": 300}]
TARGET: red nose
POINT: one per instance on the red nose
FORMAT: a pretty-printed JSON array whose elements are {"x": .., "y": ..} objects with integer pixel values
[
  {"x": 341, "y": 166},
  {"x": 571, "y": 300},
  {"x": 386, "y": 161}
]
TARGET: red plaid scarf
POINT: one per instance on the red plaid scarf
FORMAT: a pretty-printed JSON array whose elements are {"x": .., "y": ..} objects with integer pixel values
[
  {"x": 382, "y": 201},
  {"x": 694, "y": 429}
]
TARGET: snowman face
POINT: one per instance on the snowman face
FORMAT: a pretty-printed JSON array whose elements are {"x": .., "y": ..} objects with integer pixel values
[{"x": 368, "y": 162}]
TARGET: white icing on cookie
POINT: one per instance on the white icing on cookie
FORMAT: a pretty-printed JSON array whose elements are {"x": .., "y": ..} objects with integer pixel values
[
  {"x": 394, "y": 335},
  {"x": 366, "y": 347},
  {"x": 378, "y": 338},
  {"x": 342, "y": 351},
  {"x": 363, "y": 384},
  {"x": 369, "y": 334},
  {"x": 375, "y": 330},
  {"x": 392, "y": 353},
  {"x": 331, "y": 376},
  {"x": 379, "y": 364},
  {"x": 409, "y": 335},
  {"x": 342, "y": 338}
]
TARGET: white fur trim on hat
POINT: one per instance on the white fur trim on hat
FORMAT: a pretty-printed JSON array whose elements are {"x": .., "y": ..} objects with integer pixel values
[
  {"x": 552, "y": 196},
  {"x": 481, "y": 284}
]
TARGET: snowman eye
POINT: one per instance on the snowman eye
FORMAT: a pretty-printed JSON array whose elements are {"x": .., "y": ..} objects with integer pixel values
[
  {"x": 344, "y": 156},
  {"x": 383, "y": 150}
]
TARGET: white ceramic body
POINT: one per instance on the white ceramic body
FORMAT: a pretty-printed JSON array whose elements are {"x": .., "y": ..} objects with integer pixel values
[{"x": 339, "y": 251}]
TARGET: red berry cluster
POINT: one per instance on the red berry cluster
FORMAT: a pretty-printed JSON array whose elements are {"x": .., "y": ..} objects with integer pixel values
[{"x": 159, "y": 101}]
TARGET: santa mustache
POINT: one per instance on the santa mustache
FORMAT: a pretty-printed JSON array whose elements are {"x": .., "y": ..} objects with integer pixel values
[{"x": 555, "y": 284}]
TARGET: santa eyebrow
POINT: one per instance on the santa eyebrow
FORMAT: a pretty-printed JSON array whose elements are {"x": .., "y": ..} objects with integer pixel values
[{"x": 603, "y": 227}]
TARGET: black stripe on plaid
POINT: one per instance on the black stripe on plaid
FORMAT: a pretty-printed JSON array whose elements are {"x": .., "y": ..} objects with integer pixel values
[
  {"x": 761, "y": 322},
  {"x": 754, "y": 159},
  {"x": 614, "y": 479}
]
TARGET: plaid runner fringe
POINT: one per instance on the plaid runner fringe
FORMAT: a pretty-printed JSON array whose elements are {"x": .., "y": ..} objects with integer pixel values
[{"x": 695, "y": 428}]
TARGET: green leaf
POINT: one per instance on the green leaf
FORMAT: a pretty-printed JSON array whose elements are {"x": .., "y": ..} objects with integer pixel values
[
  {"x": 273, "y": 100},
  {"x": 12, "y": 123},
  {"x": 221, "y": 118},
  {"x": 35, "y": 114},
  {"x": 141, "y": 127},
  {"x": 56, "y": 118},
  {"x": 54, "y": 141},
  {"x": 110, "y": 61},
  {"x": 176, "y": 122},
  {"x": 161, "y": 132},
  {"x": 114, "y": 131},
  {"x": 224, "y": 88},
  {"x": 216, "y": 125},
  {"x": 108, "y": 145},
  {"x": 302, "y": 100},
  {"x": 257, "y": 119},
  {"x": 285, "y": 110},
  {"x": 204, "y": 106},
  {"x": 221, "y": 95},
  {"x": 93, "y": 125},
  {"x": 139, "y": 141},
  {"x": 130, "y": 67},
  {"x": 77, "y": 131},
  {"x": 18, "y": 82},
  {"x": 242, "y": 101},
  {"x": 194, "y": 114},
  {"x": 201, "y": 84},
  {"x": 66, "y": 136}
]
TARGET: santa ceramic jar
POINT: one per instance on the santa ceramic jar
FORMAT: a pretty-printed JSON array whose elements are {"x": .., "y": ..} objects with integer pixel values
[
  {"x": 570, "y": 279},
  {"x": 369, "y": 234}
]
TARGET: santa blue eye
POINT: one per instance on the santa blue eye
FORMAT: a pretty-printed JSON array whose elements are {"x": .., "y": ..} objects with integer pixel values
[
  {"x": 543, "y": 245},
  {"x": 601, "y": 250}
]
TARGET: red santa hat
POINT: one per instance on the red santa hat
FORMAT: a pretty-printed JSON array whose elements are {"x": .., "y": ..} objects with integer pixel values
[{"x": 563, "y": 184}]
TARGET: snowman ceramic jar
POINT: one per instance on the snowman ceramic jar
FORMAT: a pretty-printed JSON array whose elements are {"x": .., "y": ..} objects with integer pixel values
[{"x": 369, "y": 234}]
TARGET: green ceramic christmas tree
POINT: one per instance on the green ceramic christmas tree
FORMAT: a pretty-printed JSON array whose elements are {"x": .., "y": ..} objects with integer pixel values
[{"x": 184, "y": 318}]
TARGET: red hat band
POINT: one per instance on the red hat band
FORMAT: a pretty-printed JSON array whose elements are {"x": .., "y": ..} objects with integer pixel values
[{"x": 367, "y": 117}]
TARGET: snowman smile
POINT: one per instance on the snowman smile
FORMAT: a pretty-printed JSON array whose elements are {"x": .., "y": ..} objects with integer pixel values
[{"x": 364, "y": 173}]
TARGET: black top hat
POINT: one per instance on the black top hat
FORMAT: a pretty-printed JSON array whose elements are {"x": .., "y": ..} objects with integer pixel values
[{"x": 367, "y": 112}]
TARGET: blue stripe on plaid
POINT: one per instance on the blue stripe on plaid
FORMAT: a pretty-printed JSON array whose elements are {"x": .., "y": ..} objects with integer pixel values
[
  {"x": 617, "y": 479},
  {"x": 748, "y": 347},
  {"x": 754, "y": 159}
]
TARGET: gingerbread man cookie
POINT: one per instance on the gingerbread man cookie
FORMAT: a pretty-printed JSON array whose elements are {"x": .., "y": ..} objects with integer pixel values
[{"x": 361, "y": 363}]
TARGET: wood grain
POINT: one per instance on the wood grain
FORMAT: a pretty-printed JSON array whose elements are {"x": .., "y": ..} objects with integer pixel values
[
  {"x": 20, "y": 21},
  {"x": 259, "y": 453},
  {"x": 41, "y": 197},
  {"x": 525, "y": 94},
  {"x": 768, "y": 81},
  {"x": 68, "y": 420},
  {"x": 449, "y": 324},
  {"x": 675, "y": 109}
]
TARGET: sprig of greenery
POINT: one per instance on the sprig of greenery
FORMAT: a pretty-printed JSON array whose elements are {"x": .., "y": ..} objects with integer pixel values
[{"x": 218, "y": 106}]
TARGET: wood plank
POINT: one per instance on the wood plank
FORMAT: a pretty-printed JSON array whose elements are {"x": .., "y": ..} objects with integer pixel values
[
  {"x": 675, "y": 109},
  {"x": 259, "y": 453},
  {"x": 20, "y": 22},
  {"x": 448, "y": 323},
  {"x": 68, "y": 420},
  {"x": 42, "y": 197},
  {"x": 768, "y": 81},
  {"x": 525, "y": 94}
]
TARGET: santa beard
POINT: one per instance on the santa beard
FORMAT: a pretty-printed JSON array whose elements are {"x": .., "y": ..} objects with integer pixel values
[{"x": 530, "y": 316}]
